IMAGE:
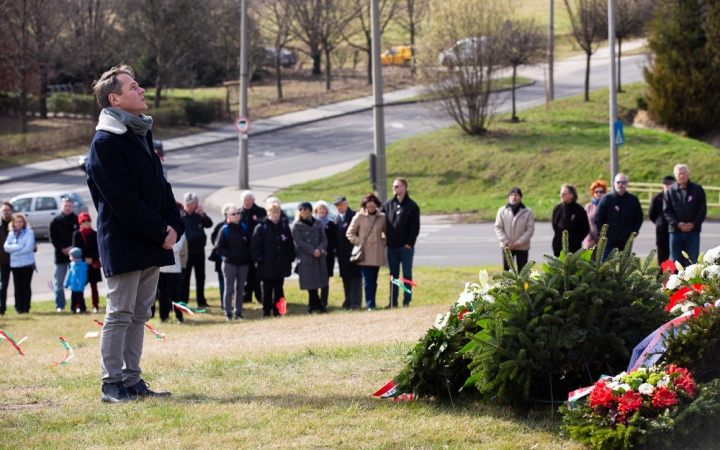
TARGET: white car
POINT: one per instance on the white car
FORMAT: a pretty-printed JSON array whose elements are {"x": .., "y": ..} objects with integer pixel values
[
  {"x": 463, "y": 50},
  {"x": 41, "y": 208}
]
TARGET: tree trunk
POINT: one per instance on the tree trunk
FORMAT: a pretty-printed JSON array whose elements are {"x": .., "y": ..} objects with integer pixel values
[
  {"x": 328, "y": 71},
  {"x": 619, "y": 84},
  {"x": 278, "y": 74},
  {"x": 587, "y": 78},
  {"x": 316, "y": 57},
  {"x": 369, "y": 66},
  {"x": 413, "y": 67},
  {"x": 42, "y": 100},
  {"x": 22, "y": 107},
  {"x": 514, "y": 117},
  {"x": 158, "y": 90}
]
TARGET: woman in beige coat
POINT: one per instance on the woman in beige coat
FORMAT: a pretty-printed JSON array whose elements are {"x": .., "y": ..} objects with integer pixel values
[{"x": 368, "y": 229}]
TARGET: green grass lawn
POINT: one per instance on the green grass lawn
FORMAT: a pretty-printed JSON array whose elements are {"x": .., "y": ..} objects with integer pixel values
[{"x": 451, "y": 172}]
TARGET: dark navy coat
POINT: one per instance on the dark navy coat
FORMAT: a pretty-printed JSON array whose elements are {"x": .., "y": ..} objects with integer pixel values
[
  {"x": 272, "y": 249},
  {"x": 134, "y": 201}
]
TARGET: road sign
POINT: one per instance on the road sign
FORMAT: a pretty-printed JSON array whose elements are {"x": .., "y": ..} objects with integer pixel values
[
  {"x": 618, "y": 133},
  {"x": 242, "y": 124}
]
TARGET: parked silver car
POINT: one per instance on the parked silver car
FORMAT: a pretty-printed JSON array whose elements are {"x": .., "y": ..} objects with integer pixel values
[{"x": 41, "y": 208}]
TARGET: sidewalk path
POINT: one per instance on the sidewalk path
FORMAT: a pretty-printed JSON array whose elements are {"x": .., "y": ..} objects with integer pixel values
[{"x": 225, "y": 133}]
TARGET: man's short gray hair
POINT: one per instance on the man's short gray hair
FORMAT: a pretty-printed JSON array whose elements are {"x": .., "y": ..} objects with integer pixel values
[
  {"x": 109, "y": 84},
  {"x": 247, "y": 194},
  {"x": 620, "y": 174},
  {"x": 227, "y": 207},
  {"x": 677, "y": 168}
]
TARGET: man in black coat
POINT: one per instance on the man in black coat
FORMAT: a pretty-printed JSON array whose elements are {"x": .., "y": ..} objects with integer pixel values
[
  {"x": 622, "y": 212},
  {"x": 349, "y": 272},
  {"x": 138, "y": 223},
  {"x": 62, "y": 228},
  {"x": 685, "y": 210},
  {"x": 402, "y": 229},
  {"x": 195, "y": 223},
  {"x": 7, "y": 209},
  {"x": 655, "y": 212},
  {"x": 250, "y": 215}
]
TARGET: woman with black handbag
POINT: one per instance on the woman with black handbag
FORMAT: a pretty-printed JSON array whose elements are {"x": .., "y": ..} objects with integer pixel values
[{"x": 367, "y": 233}]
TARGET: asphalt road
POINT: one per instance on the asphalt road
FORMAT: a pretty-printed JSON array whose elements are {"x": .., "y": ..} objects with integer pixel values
[{"x": 206, "y": 169}]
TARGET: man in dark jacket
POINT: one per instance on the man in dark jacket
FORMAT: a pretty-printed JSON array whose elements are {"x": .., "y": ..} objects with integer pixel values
[
  {"x": 62, "y": 229},
  {"x": 138, "y": 223},
  {"x": 250, "y": 215},
  {"x": 655, "y": 212},
  {"x": 685, "y": 210},
  {"x": 403, "y": 226},
  {"x": 349, "y": 272},
  {"x": 7, "y": 210},
  {"x": 195, "y": 223},
  {"x": 622, "y": 212}
]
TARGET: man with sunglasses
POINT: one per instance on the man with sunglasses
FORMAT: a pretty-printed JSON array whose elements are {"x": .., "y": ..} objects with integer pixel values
[
  {"x": 62, "y": 229},
  {"x": 621, "y": 211}
]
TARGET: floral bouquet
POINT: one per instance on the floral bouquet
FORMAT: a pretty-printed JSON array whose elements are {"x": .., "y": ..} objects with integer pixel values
[
  {"x": 621, "y": 410},
  {"x": 694, "y": 286}
]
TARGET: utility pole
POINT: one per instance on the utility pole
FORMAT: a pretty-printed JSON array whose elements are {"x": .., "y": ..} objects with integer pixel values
[
  {"x": 244, "y": 177},
  {"x": 378, "y": 112},
  {"x": 551, "y": 51},
  {"x": 613, "y": 92}
]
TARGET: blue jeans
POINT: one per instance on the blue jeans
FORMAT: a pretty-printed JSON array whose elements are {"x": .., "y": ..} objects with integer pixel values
[
  {"x": 60, "y": 273},
  {"x": 396, "y": 256},
  {"x": 690, "y": 242},
  {"x": 370, "y": 276}
]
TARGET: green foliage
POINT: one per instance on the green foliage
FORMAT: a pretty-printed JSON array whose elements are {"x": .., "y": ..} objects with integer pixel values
[
  {"x": 670, "y": 429},
  {"x": 435, "y": 365},
  {"x": 199, "y": 113},
  {"x": 641, "y": 103},
  {"x": 577, "y": 319},
  {"x": 71, "y": 103},
  {"x": 695, "y": 345},
  {"x": 683, "y": 86},
  {"x": 167, "y": 116}
]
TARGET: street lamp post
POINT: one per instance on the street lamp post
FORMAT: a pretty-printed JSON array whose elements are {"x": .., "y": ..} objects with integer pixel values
[
  {"x": 244, "y": 177},
  {"x": 551, "y": 50},
  {"x": 378, "y": 112},
  {"x": 614, "y": 166}
]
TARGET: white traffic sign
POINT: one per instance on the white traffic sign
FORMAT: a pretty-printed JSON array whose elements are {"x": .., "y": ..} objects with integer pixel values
[{"x": 242, "y": 124}]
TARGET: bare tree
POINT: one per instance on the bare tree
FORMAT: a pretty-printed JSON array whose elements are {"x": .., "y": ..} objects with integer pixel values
[
  {"x": 174, "y": 30},
  {"x": 415, "y": 10},
  {"x": 523, "y": 43},
  {"x": 362, "y": 26},
  {"x": 587, "y": 30},
  {"x": 276, "y": 27},
  {"x": 31, "y": 28},
  {"x": 630, "y": 19},
  {"x": 306, "y": 28},
  {"x": 467, "y": 36},
  {"x": 90, "y": 46},
  {"x": 336, "y": 16}
]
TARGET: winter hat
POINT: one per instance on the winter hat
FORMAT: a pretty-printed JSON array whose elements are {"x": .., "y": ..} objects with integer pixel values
[
  {"x": 83, "y": 216},
  {"x": 305, "y": 205},
  {"x": 339, "y": 200},
  {"x": 668, "y": 179},
  {"x": 515, "y": 190},
  {"x": 190, "y": 197},
  {"x": 75, "y": 253},
  {"x": 270, "y": 200}
]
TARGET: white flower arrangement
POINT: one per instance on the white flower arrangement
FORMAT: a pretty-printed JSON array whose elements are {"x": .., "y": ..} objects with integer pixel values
[
  {"x": 712, "y": 255},
  {"x": 692, "y": 271},
  {"x": 674, "y": 282},
  {"x": 646, "y": 389},
  {"x": 441, "y": 321}
]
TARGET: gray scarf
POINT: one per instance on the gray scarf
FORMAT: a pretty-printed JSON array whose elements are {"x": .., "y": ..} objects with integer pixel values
[{"x": 137, "y": 124}]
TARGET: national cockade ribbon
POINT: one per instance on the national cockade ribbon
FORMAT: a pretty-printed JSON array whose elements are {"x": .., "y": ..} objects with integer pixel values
[
  {"x": 397, "y": 282},
  {"x": 12, "y": 342},
  {"x": 69, "y": 354},
  {"x": 182, "y": 306},
  {"x": 152, "y": 330}
]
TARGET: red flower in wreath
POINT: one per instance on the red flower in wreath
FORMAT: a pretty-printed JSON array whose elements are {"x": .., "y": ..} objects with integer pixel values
[
  {"x": 629, "y": 402},
  {"x": 664, "y": 398},
  {"x": 672, "y": 368},
  {"x": 681, "y": 295},
  {"x": 685, "y": 383},
  {"x": 462, "y": 314},
  {"x": 601, "y": 395}
]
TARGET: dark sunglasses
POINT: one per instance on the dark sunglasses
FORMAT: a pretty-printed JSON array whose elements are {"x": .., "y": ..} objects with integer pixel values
[
  {"x": 599, "y": 192},
  {"x": 621, "y": 182},
  {"x": 86, "y": 220}
]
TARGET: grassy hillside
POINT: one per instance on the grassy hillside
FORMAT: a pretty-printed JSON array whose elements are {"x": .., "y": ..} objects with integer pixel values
[{"x": 452, "y": 172}]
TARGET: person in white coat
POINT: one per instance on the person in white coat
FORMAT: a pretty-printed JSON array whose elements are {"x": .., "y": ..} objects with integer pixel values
[
  {"x": 168, "y": 285},
  {"x": 20, "y": 244},
  {"x": 514, "y": 226}
]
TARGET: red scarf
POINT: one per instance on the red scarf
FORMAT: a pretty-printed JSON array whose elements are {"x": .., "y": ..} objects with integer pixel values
[{"x": 85, "y": 232}]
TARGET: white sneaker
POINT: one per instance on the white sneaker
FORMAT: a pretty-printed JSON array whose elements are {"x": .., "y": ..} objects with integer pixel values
[
  {"x": 77, "y": 311},
  {"x": 59, "y": 310},
  {"x": 95, "y": 310}
]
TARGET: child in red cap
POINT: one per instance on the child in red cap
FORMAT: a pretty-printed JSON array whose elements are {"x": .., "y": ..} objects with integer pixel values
[{"x": 85, "y": 238}]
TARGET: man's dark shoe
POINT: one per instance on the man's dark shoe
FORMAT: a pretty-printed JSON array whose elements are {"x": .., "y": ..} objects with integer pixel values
[
  {"x": 115, "y": 393},
  {"x": 142, "y": 389}
]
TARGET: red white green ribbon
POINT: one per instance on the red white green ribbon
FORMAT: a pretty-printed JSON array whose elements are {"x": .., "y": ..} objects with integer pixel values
[
  {"x": 12, "y": 342},
  {"x": 69, "y": 354},
  {"x": 157, "y": 335},
  {"x": 397, "y": 282},
  {"x": 390, "y": 391},
  {"x": 410, "y": 282},
  {"x": 182, "y": 306}
]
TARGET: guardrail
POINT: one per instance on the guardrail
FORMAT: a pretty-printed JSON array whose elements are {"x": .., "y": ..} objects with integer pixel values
[{"x": 640, "y": 189}]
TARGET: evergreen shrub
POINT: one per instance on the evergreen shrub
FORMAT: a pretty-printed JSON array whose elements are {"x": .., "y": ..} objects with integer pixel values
[
  {"x": 199, "y": 113},
  {"x": 167, "y": 116}
]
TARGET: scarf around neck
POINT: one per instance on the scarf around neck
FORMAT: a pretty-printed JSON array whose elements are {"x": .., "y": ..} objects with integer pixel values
[
  {"x": 137, "y": 124},
  {"x": 323, "y": 220}
]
